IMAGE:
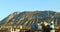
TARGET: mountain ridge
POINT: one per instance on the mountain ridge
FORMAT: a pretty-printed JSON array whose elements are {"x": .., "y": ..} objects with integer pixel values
[{"x": 28, "y": 18}]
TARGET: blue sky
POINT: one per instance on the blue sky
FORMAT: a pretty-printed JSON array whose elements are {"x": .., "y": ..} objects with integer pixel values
[{"x": 9, "y": 6}]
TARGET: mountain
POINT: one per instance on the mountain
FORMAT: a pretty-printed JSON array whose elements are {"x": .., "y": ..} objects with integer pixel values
[{"x": 28, "y": 18}]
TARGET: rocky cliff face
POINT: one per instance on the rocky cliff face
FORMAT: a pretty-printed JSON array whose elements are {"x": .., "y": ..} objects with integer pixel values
[{"x": 27, "y": 18}]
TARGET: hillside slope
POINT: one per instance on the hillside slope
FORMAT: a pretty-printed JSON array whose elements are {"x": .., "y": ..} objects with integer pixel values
[{"x": 28, "y": 18}]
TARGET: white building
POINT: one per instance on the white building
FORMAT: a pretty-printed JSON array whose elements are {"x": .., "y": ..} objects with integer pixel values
[{"x": 52, "y": 26}]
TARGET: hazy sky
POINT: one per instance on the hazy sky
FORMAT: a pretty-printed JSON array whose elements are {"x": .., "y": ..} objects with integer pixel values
[{"x": 9, "y": 6}]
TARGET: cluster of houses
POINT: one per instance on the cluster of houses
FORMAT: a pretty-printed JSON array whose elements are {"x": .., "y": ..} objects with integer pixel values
[{"x": 36, "y": 27}]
